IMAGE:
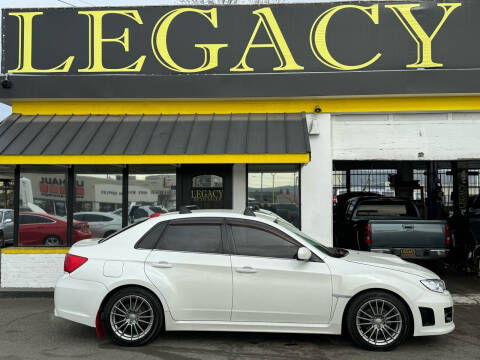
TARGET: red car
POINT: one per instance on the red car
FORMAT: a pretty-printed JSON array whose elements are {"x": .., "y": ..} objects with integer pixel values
[{"x": 43, "y": 229}]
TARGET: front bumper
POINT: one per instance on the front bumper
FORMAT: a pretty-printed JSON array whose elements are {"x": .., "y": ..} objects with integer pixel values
[
  {"x": 78, "y": 300},
  {"x": 437, "y": 303}
]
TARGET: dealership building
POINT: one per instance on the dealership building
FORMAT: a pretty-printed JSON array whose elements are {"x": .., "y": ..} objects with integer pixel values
[{"x": 281, "y": 107}]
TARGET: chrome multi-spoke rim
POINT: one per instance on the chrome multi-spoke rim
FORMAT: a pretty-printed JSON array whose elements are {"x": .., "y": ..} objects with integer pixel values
[
  {"x": 131, "y": 317},
  {"x": 379, "y": 322}
]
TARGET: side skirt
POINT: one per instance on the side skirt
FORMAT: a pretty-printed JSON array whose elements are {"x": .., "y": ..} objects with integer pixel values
[{"x": 172, "y": 325}]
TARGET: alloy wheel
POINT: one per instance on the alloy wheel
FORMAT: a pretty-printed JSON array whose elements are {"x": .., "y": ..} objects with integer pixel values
[
  {"x": 131, "y": 317},
  {"x": 379, "y": 322}
]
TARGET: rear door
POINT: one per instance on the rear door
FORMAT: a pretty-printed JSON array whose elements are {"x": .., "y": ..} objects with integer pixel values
[
  {"x": 192, "y": 269},
  {"x": 270, "y": 284}
]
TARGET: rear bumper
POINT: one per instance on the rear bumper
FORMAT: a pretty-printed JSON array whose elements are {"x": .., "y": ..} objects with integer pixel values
[
  {"x": 420, "y": 253},
  {"x": 78, "y": 300},
  {"x": 438, "y": 303}
]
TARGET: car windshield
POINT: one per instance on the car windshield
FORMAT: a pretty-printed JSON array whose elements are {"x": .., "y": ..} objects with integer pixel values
[{"x": 325, "y": 249}]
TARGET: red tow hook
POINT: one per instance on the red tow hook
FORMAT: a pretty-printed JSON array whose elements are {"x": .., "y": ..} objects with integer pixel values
[{"x": 99, "y": 326}]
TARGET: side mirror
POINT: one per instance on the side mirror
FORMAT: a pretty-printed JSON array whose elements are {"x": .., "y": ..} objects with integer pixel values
[
  {"x": 303, "y": 254},
  {"x": 7, "y": 221}
]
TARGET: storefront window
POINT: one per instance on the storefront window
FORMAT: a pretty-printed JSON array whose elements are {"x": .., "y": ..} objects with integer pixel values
[
  {"x": 150, "y": 193},
  {"x": 276, "y": 190},
  {"x": 43, "y": 214},
  {"x": 98, "y": 202},
  {"x": 6, "y": 206}
]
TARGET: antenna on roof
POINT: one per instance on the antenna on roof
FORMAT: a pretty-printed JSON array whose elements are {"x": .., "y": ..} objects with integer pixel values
[
  {"x": 248, "y": 211},
  {"x": 184, "y": 210}
]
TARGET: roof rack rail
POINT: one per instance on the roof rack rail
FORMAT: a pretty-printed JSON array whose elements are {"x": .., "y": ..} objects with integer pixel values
[
  {"x": 185, "y": 210},
  {"x": 249, "y": 211}
]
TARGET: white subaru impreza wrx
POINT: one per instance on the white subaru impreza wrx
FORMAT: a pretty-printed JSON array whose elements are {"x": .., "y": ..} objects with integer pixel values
[{"x": 222, "y": 271}]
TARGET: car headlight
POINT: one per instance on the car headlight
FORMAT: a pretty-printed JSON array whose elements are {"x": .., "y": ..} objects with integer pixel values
[{"x": 436, "y": 285}]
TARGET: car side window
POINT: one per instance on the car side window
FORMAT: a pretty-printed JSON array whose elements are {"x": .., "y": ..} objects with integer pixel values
[
  {"x": 33, "y": 219},
  {"x": 150, "y": 239},
  {"x": 78, "y": 217},
  {"x": 139, "y": 213},
  {"x": 202, "y": 238},
  {"x": 251, "y": 241}
]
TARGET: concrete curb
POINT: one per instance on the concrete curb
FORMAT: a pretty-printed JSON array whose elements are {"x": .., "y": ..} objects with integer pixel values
[{"x": 26, "y": 293}]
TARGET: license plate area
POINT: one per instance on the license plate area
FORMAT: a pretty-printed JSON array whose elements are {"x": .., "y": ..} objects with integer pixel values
[{"x": 407, "y": 253}]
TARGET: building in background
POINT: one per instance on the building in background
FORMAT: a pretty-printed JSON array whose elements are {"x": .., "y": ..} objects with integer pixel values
[{"x": 235, "y": 106}]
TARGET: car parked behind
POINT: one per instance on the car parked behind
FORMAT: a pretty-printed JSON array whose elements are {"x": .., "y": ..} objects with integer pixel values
[
  {"x": 6, "y": 227},
  {"x": 42, "y": 229},
  {"x": 101, "y": 224}
]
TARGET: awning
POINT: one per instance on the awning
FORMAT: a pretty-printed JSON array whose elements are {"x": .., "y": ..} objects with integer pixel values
[{"x": 154, "y": 139}]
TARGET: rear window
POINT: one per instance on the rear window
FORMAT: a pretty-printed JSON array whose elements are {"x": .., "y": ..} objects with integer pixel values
[
  {"x": 202, "y": 238},
  {"x": 373, "y": 208}
]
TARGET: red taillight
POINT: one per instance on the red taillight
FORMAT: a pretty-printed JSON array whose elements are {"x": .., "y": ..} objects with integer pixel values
[
  {"x": 368, "y": 234},
  {"x": 73, "y": 262},
  {"x": 448, "y": 236},
  {"x": 155, "y": 214}
]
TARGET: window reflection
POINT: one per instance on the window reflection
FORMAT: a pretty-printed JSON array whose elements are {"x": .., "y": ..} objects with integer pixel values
[
  {"x": 277, "y": 192},
  {"x": 151, "y": 195},
  {"x": 6, "y": 207},
  {"x": 98, "y": 203},
  {"x": 42, "y": 218}
]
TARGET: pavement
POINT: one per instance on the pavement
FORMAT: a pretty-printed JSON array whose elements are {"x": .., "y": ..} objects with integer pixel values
[{"x": 29, "y": 330}]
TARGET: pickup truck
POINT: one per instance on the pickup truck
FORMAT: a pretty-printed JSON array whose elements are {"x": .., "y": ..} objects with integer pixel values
[{"x": 393, "y": 226}]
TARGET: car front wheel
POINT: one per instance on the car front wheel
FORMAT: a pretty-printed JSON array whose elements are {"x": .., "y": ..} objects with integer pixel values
[
  {"x": 133, "y": 317},
  {"x": 378, "y": 321}
]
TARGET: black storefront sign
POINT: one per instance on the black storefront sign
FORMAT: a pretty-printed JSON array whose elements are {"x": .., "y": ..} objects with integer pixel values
[
  {"x": 215, "y": 193},
  {"x": 357, "y": 48}
]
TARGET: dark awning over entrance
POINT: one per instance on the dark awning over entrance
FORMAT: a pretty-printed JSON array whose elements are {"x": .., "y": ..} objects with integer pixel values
[{"x": 142, "y": 139}]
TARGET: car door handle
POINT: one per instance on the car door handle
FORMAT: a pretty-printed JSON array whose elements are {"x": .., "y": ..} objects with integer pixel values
[
  {"x": 246, "y": 270},
  {"x": 162, "y": 265},
  {"x": 408, "y": 227}
]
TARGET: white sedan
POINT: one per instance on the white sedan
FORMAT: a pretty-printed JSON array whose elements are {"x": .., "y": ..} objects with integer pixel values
[{"x": 221, "y": 271}]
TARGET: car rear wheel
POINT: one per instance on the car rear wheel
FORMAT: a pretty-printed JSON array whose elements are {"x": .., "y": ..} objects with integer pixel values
[
  {"x": 378, "y": 321},
  {"x": 52, "y": 240},
  {"x": 133, "y": 317},
  {"x": 2, "y": 241}
]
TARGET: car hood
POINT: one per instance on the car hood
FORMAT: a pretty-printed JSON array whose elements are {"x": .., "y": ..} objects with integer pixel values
[{"x": 388, "y": 261}]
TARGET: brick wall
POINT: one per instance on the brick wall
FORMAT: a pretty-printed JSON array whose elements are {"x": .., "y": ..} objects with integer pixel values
[{"x": 30, "y": 270}]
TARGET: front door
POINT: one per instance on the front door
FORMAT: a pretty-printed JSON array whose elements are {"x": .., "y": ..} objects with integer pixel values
[
  {"x": 205, "y": 186},
  {"x": 270, "y": 285}
]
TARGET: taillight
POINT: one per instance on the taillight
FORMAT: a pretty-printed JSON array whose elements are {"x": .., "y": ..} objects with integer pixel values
[
  {"x": 368, "y": 235},
  {"x": 156, "y": 214},
  {"x": 73, "y": 262},
  {"x": 448, "y": 236}
]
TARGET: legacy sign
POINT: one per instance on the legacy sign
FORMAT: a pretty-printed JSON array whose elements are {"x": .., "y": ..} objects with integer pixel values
[{"x": 239, "y": 41}]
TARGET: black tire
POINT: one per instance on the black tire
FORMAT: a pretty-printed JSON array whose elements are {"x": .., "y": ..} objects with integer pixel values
[
  {"x": 2, "y": 241},
  {"x": 359, "y": 322},
  {"x": 52, "y": 240},
  {"x": 113, "y": 313}
]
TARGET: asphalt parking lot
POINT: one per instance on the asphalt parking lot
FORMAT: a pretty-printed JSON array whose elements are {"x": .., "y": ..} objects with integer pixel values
[{"x": 29, "y": 330}]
